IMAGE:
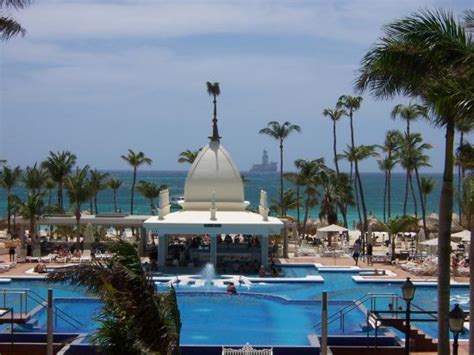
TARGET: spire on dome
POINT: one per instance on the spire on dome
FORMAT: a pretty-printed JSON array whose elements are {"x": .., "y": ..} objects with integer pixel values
[{"x": 214, "y": 90}]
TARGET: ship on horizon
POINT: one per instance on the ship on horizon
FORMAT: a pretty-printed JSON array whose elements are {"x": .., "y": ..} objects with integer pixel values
[{"x": 265, "y": 166}]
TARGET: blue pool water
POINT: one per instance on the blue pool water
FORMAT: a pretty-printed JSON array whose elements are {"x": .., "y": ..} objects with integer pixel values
[{"x": 263, "y": 313}]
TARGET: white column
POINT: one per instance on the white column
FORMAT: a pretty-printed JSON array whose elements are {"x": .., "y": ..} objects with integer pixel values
[
  {"x": 162, "y": 246},
  {"x": 264, "y": 249},
  {"x": 213, "y": 250}
]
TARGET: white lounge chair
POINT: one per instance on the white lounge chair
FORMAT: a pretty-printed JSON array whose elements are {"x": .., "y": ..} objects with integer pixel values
[{"x": 247, "y": 350}]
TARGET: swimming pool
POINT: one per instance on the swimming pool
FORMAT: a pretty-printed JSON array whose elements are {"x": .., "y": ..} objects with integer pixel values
[{"x": 263, "y": 313}]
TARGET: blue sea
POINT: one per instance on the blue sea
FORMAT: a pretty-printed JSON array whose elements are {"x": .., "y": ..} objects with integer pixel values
[{"x": 373, "y": 189}]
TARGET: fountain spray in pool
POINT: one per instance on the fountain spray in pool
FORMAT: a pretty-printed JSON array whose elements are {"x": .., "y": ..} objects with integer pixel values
[{"x": 208, "y": 273}]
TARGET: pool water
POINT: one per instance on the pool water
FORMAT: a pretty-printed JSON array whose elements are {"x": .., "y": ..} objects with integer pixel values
[{"x": 264, "y": 313}]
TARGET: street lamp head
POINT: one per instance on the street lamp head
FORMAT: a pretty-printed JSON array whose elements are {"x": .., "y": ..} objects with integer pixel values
[
  {"x": 456, "y": 319},
  {"x": 408, "y": 290}
]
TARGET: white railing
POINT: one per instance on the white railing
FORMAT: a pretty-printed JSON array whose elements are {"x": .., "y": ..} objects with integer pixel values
[{"x": 247, "y": 350}]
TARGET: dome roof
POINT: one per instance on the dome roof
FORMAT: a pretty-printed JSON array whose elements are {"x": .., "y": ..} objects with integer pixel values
[{"x": 214, "y": 176}]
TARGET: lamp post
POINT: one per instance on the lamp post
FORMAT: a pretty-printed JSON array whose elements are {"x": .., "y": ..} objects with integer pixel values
[
  {"x": 408, "y": 292},
  {"x": 456, "y": 325}
]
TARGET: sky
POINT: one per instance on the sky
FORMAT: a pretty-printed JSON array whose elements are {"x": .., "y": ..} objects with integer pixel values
[{"x": 99, "y": 77}]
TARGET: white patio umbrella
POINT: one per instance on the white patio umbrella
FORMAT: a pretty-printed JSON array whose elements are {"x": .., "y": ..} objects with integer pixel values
[
  {"x": 332, "y": 228},
  {"x": 434, "y": 243},
  {"x": 464, "y": 236}
]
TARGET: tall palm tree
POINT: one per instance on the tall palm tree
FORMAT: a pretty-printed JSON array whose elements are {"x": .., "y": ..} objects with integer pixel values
[
  {"x": 32, "y": 209},
  {"x": 34, "y": 178},
  {"x": 150, "y": 191},
  {"x": 49, "y": 185},
  {"x": 350, "y": 104},
  {"x": 409, "y": 113},
  {"x": 385, "y": 165},
  {"x": 131, "y": 304},
  {"x": 280, "y": 132},
  {"x": 390, "y": 148},
  {"x": 97, "y": 183},
  {"x": 59, "y": 165},
  {"x": 135, "y": 160},
  {"x": 334, "y": 115},
  {"x": 8, "y": 180},
  {"x": 360, "y": 153},
  {"x": 426, "y": 56},
  {"x": 9, "y": 27},
  {"x": 214, "y": 90},
  {"x": 78, "y": 191},
  {"x": 115, "y": 184},
  {"x": 188, "y": 156},
  {"x": 310, "y": 171},
  {"x": 427, "y": 186}
]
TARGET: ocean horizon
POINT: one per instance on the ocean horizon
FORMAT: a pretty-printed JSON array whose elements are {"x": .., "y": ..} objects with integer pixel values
[{"x": 373, "y": 184}]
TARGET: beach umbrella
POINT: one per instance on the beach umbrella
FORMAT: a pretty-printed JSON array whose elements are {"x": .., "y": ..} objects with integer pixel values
[
  {"x": 464, "y": 236},
  {"x": 434, "y": 243},
  {"x": 332, "y": 228}
]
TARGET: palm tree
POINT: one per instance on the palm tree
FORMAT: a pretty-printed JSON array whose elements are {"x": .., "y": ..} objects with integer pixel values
[
  {"x": 295, "y": 178},
  {"x": 9, "y": 27},
  {"x": 32, "y": 209},
  {"x": 463, "y": 127},
  {"x": 59, "y": 165},
  {"x": 150, "y": 191},
  {"x": 390, "y": 148},
  {"x": 214, "y": 90},
  {"x": 188, "y": 156},
  {"x": 350, "y": 104},
  {"x": 310, "y": 171},
  {"x": 290, "y": 201},
  {"x": 49, "y": 185},
  {"x": 8, "y": 180},
  {"x": 131, "y": 304},
  {"x": 426, "y": 56},
  {"x": 34, "y": 178},
  {"x": 386, "y": 165},
  {"x": 78, "y": 191},
  {"x": 356, "y": 155},
  {"x": 334, "y": 115},
  {"x": 399, "y": 225},
  {"x": 410, "y": 112},
  {"x": 427, "y": 186},
  {"x": 135, "y": 160},
  {"x": 115, "y": 184},
  {"x": 280, "y": 132},
  {"x": 97, "y": 183}
]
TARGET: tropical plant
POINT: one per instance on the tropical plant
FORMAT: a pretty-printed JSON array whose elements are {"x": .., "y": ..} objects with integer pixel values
[
  {"x": 295, "y": 178},
  {"x": 49, "y": 185},
  {"x": 97, "y": 183},
  {"x": 290, "y": 201},
  {"x": 350, "y": 104},
  {"x": 134, "y": 319},
  {"x": 78, "y": 191},
  {"x": 188, "y": 156},
  {"x": 59, "y": 165},
  {"x": 34, "y": 178},
  {"x": 32, "y": 209},
  {"x": 150, "y": 191},
  {"x": 309, "y": 171},
  {"x": 399, "y": 225},
  {"x": 427, "y": 186},
  {"x": 214, "y": 90},
  {"x": 334, "y": 115},
  {"x": 409, "y": 113},
  {"x": 390, "y": 148},
  {"x": 9, "y": 27},
  {"x": 115, "y": 184},
  {"x": 135, "y": 160},
  {"x": 463, "y": 127},
  {"x": 8, "y": 180},
  {"x": 280, "y": 132},
  {"x": 355, "y": 155},
  {"x": 427, "y": 56},
  {"x": 386, "y": 165}
]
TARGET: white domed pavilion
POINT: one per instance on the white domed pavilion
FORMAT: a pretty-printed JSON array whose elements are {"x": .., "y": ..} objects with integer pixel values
[{"x": 213, "y": 205}]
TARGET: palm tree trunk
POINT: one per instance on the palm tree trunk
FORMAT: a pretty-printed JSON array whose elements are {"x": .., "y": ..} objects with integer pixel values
[
  {"x": 9, "y": 210},
  {"x": 422, "y": 202},
  {"x": 95, "y": 204},
  {"x": 78, "y": 227},
  {"x": 385, "y": 198},
  {"x": 352, "y": 140},
  {"x": 362, "y": 199},
  {"x": 343, "y": 213},
  {"x": 335, "y": 146},
  {"x": 298, "y": 207},
  {"x": 306, "y": 212},
  {"x": 461, "y": 141},
  {"x": 132, "y": 191},
  {"x": 415, "y": 203},
  {"x": 356, "y": 193},
  {"x": 445, "y": 220},
  {"x": 115, "y": 201},
  {"x": 405, "y": 201},
  {"x": 60, "y": 194},
  {"x": 389, "y": 194},
  {"x": 281, "y": 179}
]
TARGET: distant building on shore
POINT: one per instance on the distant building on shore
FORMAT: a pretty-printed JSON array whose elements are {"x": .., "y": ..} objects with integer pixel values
[{"x": 265, "y": 166}]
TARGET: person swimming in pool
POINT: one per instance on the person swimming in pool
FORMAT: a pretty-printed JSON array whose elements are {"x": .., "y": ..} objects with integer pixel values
[{"x": 231, "y": 290}]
